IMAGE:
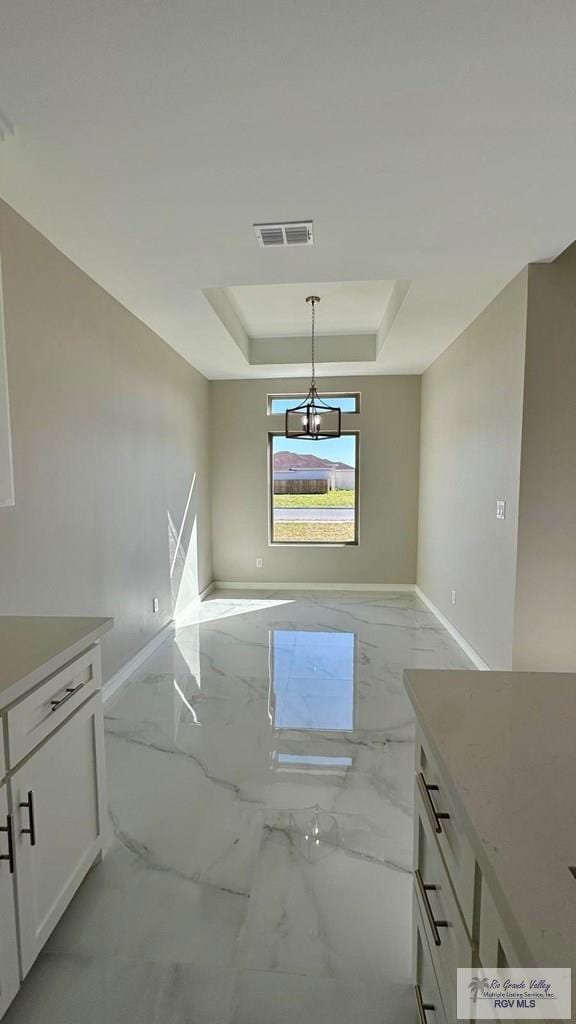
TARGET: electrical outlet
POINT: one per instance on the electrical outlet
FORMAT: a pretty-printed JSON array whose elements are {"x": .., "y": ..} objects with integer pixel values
[
  {"x": 259, "y": 563},
  {"x": 453, "y": 596},
  {"x": 500, "y": 509},
  {"x": 155, "y": 605}
]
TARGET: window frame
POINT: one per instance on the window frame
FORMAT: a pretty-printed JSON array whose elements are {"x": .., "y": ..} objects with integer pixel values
[
  {"x": 312, "y": 543},
  {"x": 327, "y": 396}
]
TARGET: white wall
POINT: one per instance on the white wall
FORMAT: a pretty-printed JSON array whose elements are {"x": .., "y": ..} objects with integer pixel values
[
  {"x": 110, "y": 443},
  {"x": 471, "y": 428},
  {"x": 344, "y": 479}
]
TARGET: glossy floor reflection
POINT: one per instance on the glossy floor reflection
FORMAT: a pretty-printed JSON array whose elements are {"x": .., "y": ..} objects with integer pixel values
[
  {"x": 260, "y": 784},
  {"x": 313, "y": 680}
]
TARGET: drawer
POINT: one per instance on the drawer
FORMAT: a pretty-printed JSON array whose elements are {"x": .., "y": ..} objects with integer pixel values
[
  {"x": 443, "y": 818},
  {"x": 33, "y": 719},
  {"x": 427, "y": 992},
  {"x": 446, "y": 933}
]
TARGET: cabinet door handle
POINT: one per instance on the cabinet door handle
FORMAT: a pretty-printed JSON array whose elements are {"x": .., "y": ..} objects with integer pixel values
[
  {"x": 31, "y": 830},
  {"x": 425, "y": 790},
  {"x": 422, "y": 1006},
  {"x": 7, "y": 828},
  {"x": 68, "y": 694},
  {"x": 424, "y": 889}
]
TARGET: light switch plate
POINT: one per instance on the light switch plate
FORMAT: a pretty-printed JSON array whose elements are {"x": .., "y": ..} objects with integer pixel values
[{"x": 500, "y": 509}]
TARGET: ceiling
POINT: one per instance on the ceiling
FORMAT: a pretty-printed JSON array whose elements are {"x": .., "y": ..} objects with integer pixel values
[
  {"x": 346, "y": 307},
  {"x": 433, "y": 146}
]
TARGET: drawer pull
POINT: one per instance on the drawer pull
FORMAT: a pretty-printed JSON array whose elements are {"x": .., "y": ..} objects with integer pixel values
[
  {"x": 434, "y": 924},
  {"x": 425, "y": 790},
  {"x": 422, "y": 1006},
  {"x": 10, "y": 855},
  {"x": 68, "y": 693},
  {"x": 31, "y": 830}
]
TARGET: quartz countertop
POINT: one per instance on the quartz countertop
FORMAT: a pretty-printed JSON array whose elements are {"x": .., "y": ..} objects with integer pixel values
[
  {"x": 33, "y": 647},
  {"x": 507, "y": 744}
]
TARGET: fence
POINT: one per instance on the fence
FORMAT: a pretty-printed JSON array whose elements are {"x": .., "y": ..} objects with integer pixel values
[{"x": 302, "y": 486}]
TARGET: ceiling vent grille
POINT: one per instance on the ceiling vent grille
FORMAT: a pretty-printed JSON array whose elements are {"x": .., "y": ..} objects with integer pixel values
[{"x": 298, "y": 232}]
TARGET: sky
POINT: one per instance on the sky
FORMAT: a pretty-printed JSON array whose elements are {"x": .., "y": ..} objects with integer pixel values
[
  {"x": 338, "y": 449},
  {"x": 346, "y": 402}
]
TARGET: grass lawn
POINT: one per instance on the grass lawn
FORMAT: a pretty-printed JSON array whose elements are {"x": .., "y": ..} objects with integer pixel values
[
  {"x": 333, "y": 499},
  {"x": 327, "y": 533}
]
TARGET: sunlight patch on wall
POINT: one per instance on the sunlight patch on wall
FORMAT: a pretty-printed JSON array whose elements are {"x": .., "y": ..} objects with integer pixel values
[{"x": 184, "y": 575}]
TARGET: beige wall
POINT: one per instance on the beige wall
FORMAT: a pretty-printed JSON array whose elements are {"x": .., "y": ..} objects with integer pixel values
[
  {"x": 389, "y": 440},
  {"x": 109, "y": 429},
  {"x": 545, "y": 634},
  {"x": 470, "y": 457}
]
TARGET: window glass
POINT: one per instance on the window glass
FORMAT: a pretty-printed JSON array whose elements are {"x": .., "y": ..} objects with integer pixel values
[
  {"x": 313, "y": 490},
  {"x": 279, "y": 403}
]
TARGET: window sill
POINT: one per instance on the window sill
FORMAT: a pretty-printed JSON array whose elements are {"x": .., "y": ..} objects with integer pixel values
[{"x": 310, "y": 544}]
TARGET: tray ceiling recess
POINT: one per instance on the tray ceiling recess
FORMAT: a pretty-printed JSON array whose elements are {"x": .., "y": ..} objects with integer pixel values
[{"x": 268, "y": 322}]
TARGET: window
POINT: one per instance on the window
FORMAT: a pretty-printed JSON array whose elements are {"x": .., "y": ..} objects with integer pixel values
[
  {"x": 277, "y": 404},
  {"x": 314, "y": 490}
]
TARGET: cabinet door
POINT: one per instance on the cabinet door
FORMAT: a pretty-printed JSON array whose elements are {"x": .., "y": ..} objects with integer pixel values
[
  {"x": 59, "y": 806},
  {"x": 9, "y": 976}
]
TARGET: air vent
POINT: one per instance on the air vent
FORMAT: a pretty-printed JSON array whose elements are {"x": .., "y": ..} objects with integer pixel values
[{"x": 298, "y": 232}]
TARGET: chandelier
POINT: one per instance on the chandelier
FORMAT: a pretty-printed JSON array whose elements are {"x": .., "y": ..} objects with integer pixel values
[{"x": 313, "y": 419}]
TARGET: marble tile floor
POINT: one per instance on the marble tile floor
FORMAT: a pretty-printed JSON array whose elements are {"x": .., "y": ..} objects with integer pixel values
[{"x": 260, "y": 769}]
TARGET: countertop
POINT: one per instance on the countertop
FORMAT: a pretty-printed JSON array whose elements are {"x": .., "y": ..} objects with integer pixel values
[
  {"x": 33, "y": 647},
  {"x": 507, "y": 743}
]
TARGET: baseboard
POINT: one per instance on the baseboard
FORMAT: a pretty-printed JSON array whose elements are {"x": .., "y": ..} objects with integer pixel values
[
  {"x": 265, "y": 585},
  {"x": 468, "y": 650},
  {"x": 207, "y": 590},
  {"x": 125, "y": 671}
]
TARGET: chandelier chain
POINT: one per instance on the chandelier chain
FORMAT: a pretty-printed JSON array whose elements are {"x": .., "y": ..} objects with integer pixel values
[
  {"x": 313, "y": 341},
  {"x": 315, "y": 419}
]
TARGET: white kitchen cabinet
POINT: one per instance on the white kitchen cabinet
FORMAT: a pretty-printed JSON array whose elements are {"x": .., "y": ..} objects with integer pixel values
[
  {"x": 52, "y": 779},
  {"x": 491, "y": 850},
  {"x": 9, "y": 976},
  {"x": 59, "y": 816}
]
